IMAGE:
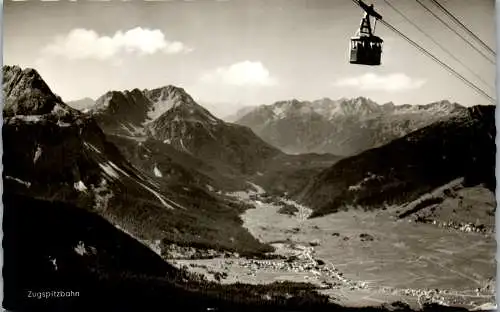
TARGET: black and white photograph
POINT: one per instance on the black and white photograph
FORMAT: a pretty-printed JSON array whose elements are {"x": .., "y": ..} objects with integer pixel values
[{"x": 249, "y": 155}]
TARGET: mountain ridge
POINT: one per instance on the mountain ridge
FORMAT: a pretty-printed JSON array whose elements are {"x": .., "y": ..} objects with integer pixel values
[
  {"x": 26, "y": 93},
  {"x": 170, "y": 115},
  {"x": 341, "y": 127}
]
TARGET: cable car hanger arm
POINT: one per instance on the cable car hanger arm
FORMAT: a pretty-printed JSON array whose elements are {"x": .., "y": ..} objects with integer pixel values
[{"x": 368, "y": 9}]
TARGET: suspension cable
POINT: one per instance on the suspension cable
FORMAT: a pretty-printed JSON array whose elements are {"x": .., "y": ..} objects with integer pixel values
[
  {"x": 434, "y": 58},
  {"x": 451, "y": 70},
  {"x": 453, "y": 30},
  {"x": 456, "y": 20},
  {"x": 438, "y": 44}
]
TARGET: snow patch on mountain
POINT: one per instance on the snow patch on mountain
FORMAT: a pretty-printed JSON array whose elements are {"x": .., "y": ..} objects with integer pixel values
[
  {"x": 80, "y": 186},
  {"x": 159, "y": 108},
  {"x": 25, "y": 183},
  {"x": 80, "y": 248},
  {"x": 54, "y": 263},
  {"x": 37, "y": 155},
  {"x": 118, "y": 169},
  {"x": 63, "y": 124},
  {"x": 157, "y": 172},
  {"x": 92, "y": 147},
  {"x": 279, "y": 112},
  {"x": 113, "y": 171},
  {"x": 159, "y": 196},
  {"x": 183, "y": 146},
  {"x": 27, "y": 118},
  {"x": 109, "y": 171}
]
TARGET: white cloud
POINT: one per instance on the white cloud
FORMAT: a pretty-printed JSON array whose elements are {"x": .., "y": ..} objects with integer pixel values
[
  {"x": 241, "y": 74},
  {"x": 87, "y": 44},
  {"x": 391, "y": 83}
]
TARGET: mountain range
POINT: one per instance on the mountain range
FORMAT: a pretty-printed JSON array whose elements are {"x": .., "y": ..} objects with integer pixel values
[
  {"x": 342, "y": 127},
  {"x": 153, "y": 167},
  {"x": 154, "y": 162}
]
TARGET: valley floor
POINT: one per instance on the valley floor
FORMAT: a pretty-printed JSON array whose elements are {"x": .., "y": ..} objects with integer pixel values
[{"x": 362, "y": 258}]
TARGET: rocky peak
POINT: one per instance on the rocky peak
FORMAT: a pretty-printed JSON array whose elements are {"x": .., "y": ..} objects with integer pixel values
[
  {"x": 25, "y": 92},
  {"x": 166, "y": 98},
  {"x": 361, "y": 101},
  {"x": 114, "y": 99},
  {"x": 177, "y": 104},
  {"x": 104, "y": 100},
  {"x": 445, "y": 105},
  {"x": 169, "y": 92},
  {"x": 125, "y": 105},
  {"x": 359, "y": 106},
  {"x": 442, "y": 102},
  {"x": 293, "y": 107},
  {"x": 137, "y": 112}
]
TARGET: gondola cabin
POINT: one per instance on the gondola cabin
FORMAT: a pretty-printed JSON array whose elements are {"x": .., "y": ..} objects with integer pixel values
[
  {"x": 365, "y": 47},
  {"x": 366, "y": 50}
]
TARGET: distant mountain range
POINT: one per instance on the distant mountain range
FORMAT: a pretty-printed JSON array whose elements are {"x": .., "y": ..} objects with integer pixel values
[
  {"x": 82, "y": 104},
  {"x": 342, "y": 127},
  {"x": 239, "y": 114}
]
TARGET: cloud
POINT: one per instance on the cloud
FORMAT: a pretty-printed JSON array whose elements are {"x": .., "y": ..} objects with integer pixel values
[
  {"x": 390, "y": 83},
  {"x": 82, "y": 43},
  {"x": 246, "y": 73}
]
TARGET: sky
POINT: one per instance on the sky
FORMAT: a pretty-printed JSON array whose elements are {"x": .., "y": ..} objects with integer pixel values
[{"x": 233, "y": 53}]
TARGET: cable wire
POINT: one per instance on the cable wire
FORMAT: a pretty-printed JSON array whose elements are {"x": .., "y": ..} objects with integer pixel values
[
  {"x": 437, "y": 43},
  {"x": 456, "y": 20},
  {"x": 451, "y": 70},
  {"x": 453, "y": 30},
  {"x": 437, "y": 60}
]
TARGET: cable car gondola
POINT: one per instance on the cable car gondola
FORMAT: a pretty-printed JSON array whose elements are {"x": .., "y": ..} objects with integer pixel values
[{"x": 366, "y": 48}]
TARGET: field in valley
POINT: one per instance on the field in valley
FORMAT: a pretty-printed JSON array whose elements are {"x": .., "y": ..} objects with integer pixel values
[{"x": 363, "y": 258}]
